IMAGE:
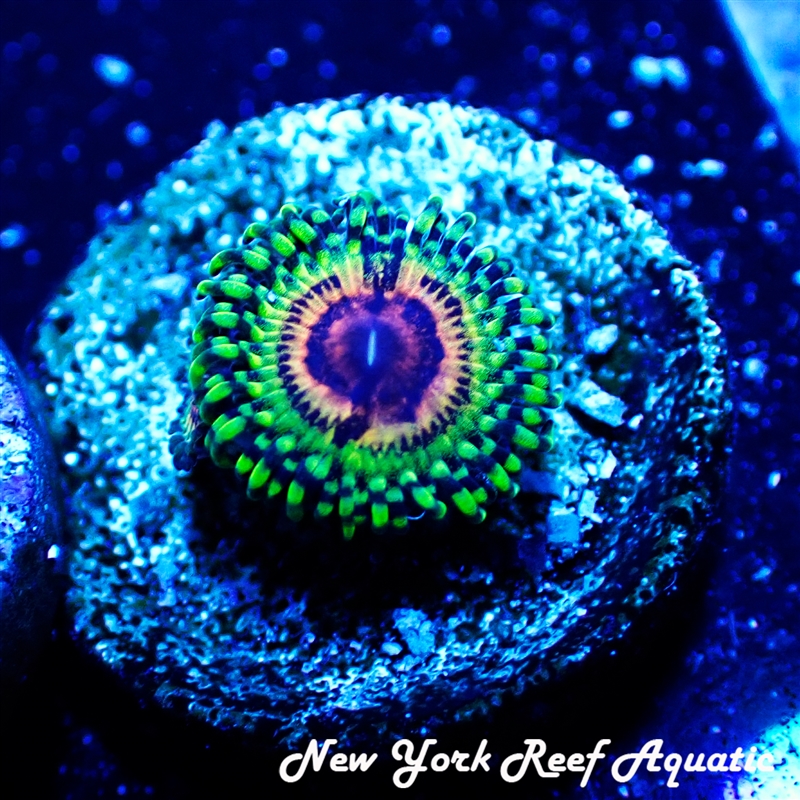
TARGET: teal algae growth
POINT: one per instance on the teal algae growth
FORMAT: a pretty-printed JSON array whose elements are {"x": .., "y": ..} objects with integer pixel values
[{"x": 246, "y": 615}]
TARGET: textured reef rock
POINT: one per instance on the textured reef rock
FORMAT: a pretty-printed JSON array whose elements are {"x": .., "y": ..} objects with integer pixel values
[
  {"x": 214, "y": 605},
  {"x": 30, "y": 526}
]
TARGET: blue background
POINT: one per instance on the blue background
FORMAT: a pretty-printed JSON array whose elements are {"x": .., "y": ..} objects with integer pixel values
[{"x": 724, "y": 665}]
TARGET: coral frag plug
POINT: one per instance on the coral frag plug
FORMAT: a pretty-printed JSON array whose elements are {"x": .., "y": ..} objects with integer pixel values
[{"x": 353, "y": 368}]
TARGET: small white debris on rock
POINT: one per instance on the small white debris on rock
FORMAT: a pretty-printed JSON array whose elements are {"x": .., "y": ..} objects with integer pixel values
[
  {"x": 599, "y": 404},
  {"x": 587, "y": 505},
  {"x": 608, "y": 466},
  {"x": 602, "y": 339},
  {"x": 563, "y": 526}
]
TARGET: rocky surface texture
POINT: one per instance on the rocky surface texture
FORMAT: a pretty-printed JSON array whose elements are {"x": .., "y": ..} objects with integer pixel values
[
  {"x": 214, "y": 604},
  {"x": 30, "y": 534}
]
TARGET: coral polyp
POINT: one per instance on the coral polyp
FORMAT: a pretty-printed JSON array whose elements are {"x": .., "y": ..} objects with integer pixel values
[{"x": 370, "y": 368}]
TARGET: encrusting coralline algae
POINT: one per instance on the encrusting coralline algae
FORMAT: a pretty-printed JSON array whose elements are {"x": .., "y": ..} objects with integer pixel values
[{"x": 224, "y": 607}]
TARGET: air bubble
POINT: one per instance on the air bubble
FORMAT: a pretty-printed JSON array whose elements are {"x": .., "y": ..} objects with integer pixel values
[
  {"x": 113, "y": 70},
  {"x": 619, "y": 119},
  {"x": 278, "y": 57},
  {"x": 137, "y": 133},
  {"x": 440, "y": 35}
]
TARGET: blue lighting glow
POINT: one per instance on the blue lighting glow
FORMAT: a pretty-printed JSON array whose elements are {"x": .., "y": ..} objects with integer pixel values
[
  {"x": 13, "y": 236},
  {"x": 278, "y": 57},
  {"x": 440, "y": 35},
  {"x": 619, "y": 119},
  {"x": 113, "y": 70},
  {"x": 137, "y": 133}
]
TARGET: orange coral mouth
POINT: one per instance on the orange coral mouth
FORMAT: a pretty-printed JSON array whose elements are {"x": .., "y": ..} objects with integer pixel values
[{"x": 378, "y": 367}]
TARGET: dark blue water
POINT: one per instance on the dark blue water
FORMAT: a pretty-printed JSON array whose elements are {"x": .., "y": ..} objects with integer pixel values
[{"x": 74, "y": 146}]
